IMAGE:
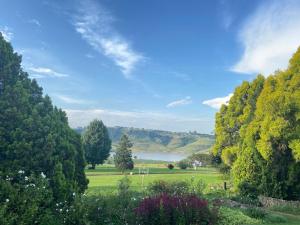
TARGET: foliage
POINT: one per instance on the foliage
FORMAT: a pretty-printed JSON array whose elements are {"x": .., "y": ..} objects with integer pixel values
[
  {"x": 205, "y": 158},
  {"x": 258, "y": 133},
  {"x": 248, "y": 191},
  {"x": 159, "y": 187},
  {"x": 235, "y": 217},
  {"x": 183, "y": 164},
  {"x": 172, "y": 210},
  {"x": 96, "y": 143},
  {"x": 170, "y": 166},
  {"x": 255, "y": 212},
  {"x": 34, "y": 135},
  {"x": 123, "y": 157}
]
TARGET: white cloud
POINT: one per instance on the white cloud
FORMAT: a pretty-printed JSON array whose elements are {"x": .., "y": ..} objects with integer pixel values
[
  {"x": 139, "y": 119},
  {"x": 6, "y": 33},
  {"x": 270, "y": 37},
  {"x": 94, "y": 23},
  {"x": 42, "y": 72},
  {"x": 187, "y": 100},
  {"x": 71, "y": 100},
  {"x": 216, "y": 103}
]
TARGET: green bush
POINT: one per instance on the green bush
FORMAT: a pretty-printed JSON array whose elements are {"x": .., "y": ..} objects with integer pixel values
[
  {"x": 256, "y": 213},
  {"x": 170, "y": 166},
  {"x": 183, "y": 164},
  {"x": 228, "y": 216},
  {"x": 159, "y": 187}
]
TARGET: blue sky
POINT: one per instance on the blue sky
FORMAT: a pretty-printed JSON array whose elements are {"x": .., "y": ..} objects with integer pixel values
[{"x": 154, "y": 64}]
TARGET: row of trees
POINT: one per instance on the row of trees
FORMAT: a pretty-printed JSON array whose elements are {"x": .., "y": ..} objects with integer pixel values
[
  {"x": 258, "y": 133},
  {"x": 97, "y": 146}
]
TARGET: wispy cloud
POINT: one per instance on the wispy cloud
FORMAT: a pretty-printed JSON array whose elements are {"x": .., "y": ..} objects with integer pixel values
[
  {"x": 71, "y": 100},
  {"x": 270, "y": 37},
  {"x": 42, "y": 72},
  {"x": 139, "y": 119},
  {"x": 6, "y": 33},
  {"x": 35, "y": 22},
  {"x": 216, "y": 103},
  {"x": 94, "y": 24},
  {"x": 187, "y": 100}
]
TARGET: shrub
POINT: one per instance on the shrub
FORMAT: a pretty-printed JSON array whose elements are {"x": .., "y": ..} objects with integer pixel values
[
  {"x": 235, "y": 217},
  {"x": 255, "y": 212},
  {"x": 248, "y": 194},
  {"x": 197, "y": 187},
  {"x": 248, "y": 190},
  {"x": 170, "y": 166},
  {"x": 172, "y": 210},
  {"x": 159, "y": 187},
  {"x": 183, "y": 164}
]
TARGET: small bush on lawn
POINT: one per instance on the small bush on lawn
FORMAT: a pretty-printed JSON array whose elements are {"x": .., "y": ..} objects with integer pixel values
[
  {"x": 170, "y": 166},
  {"x": 183, "y": 164},
  {"x": 174, "y": 210},
  {"x": 159, "y": 187}
]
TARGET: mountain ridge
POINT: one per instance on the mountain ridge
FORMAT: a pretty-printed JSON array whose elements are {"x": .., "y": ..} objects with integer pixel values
[{"x": 152, "y": 140}]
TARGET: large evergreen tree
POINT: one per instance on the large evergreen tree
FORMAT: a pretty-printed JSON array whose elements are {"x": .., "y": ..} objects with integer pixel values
[
  {"x": 96, "y": 143},
  {"x": 123, "y": 157},
  {"x": 34, "y": 135},
  {"x": 258, "y": 133}
]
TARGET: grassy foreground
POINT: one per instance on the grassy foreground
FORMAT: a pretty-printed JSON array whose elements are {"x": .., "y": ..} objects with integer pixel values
[{"x": 104, "y": 179}]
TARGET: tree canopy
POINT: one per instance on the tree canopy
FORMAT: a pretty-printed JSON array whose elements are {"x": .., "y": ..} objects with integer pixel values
[
  {"x": 96, "y": 143},
  {"x": 258, "y": 133},
  {"x": 34, "y": 135},
  {"x": 123, "y": 157}
]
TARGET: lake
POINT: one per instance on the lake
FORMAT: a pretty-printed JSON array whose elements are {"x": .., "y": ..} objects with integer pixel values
[{"x": 165, "y": 156}]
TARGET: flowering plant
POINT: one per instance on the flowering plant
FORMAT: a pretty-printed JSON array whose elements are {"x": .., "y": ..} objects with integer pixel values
[{"x": 172, "y": 210}]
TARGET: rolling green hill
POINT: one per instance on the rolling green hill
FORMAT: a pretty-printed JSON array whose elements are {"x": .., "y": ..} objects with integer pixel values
[{"x": 146, "y": 140}]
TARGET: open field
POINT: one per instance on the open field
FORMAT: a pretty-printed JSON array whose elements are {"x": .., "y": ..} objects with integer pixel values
[{"x": 105, "y": 178}]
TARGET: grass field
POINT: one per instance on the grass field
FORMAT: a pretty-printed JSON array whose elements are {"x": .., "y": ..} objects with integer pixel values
[{"x": 105, "y": 178}]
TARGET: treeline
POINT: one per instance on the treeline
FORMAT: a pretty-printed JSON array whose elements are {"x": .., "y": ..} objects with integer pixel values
[{"x": 258, "y": 133}]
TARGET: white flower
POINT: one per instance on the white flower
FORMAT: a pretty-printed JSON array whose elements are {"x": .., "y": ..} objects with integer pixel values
[
  {"x": 43, "y": 175},
  {"x": 73, "y": 193},
  {"x": 21, "y": 171},
  {"x": 7, "y": 200},
  {"x": 26, "y": 178}
]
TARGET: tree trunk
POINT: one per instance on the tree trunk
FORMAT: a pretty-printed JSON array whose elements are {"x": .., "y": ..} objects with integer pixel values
[{"x": 93, "y": 166}]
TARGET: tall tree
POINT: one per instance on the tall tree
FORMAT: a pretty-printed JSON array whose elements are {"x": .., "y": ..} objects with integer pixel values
[
  {"x": 123, "y": 157},
  {"x": 34, "y": 135},
  {"x": 96, "y": 143},
  {"x": 258, "y": 133}
]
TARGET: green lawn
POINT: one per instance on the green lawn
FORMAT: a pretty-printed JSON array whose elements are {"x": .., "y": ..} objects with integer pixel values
[{"x": 105, "y": 178}]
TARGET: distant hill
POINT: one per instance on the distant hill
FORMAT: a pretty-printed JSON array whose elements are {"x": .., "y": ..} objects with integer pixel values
[{"x": 146, "y": 140}]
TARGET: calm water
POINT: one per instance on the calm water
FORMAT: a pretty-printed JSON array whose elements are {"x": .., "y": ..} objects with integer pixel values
[{"x": 165, "y": 156}]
